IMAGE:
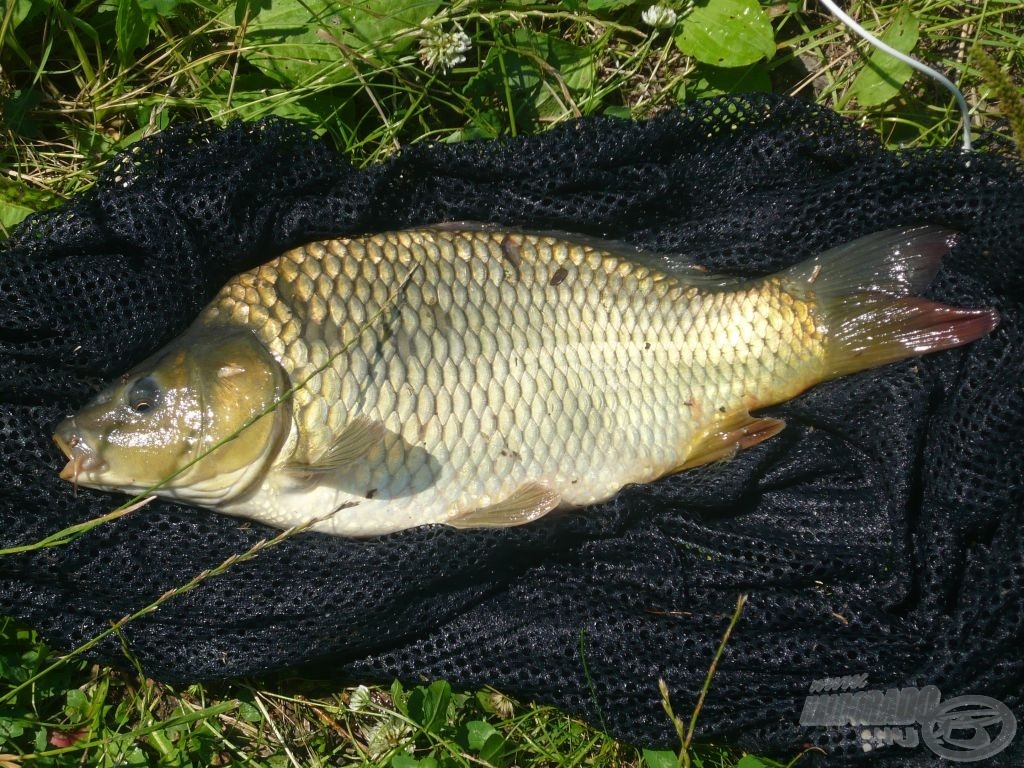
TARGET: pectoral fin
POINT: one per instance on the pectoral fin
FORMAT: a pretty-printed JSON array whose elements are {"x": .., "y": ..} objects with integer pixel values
[
  {"x": 527, "y": 504},
  {"x": 739, "y": 431},
  {"x": 355, "y": 441}
]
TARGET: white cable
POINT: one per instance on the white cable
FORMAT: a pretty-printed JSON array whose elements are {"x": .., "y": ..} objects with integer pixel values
[{"x": 946, "y": 83}]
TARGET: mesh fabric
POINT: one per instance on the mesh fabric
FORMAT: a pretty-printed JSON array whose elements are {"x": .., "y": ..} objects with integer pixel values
[{"x": 880, "y": 533}]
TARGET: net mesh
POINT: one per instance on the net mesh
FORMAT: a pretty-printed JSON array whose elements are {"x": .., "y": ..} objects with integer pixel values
[{"x": 880, "y": 533}]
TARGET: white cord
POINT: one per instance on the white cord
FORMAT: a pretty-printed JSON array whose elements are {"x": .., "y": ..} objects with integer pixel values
[{"x": 946, "y": 83}]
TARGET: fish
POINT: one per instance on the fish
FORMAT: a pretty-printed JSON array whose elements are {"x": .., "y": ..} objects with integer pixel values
[{"x": 481, "y": 377}]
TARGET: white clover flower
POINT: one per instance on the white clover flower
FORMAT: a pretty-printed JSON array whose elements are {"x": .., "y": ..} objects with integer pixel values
[
  {"x": 501, "y": 704},
  {"x": 444, "y": 50},
  {"x": 386, "y": 735},
  {"x": 359, "y": 699},
  {"x": 659, "y": 17}
]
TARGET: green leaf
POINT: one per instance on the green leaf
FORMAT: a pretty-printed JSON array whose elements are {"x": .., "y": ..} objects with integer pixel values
[
  {"x": 256, "y": 95},
  {"x": 160, "y": 7},
  {"x": 399, "y": 698},
  {"x": 883, "y": 75},
  {"x": 573, "y": 65},
  {"x": 478, "y": 732},
  {"x": 485, "y": 740},
  {"x": 135, "y": 759},
  {"x": 9, "y": 729},
  {"x": 133, "y": 26},
  {"x": 609, "y": 5},
  {"x": 77, "y": 705},
  {"x": 296, "y": 43},
  {"x": 249, "y": 712},
  {"x": 541, "y": 73},
  {"x": 660, "y": 758},
  {"x": 727, "y": 33},
  {"x": 405, "y": 760},
  {"x": 16, "y": 202},
  {"x": 428, "y": 707},
  {"x": 16, "y": 112},
  {"x": 714, "y": 81},
  {"x": 750, "y": 761},
  {"x": 10, "y": 214},
  {"x": 22, "y": 10},
  {"x": 618, "y": 111}
]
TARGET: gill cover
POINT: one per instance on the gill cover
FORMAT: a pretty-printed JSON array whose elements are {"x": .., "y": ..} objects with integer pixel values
[{"x": 170, "y": 414}]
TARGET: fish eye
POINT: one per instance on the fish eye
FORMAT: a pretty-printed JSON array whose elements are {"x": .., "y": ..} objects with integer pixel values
[{"x": 144, "y": 395}]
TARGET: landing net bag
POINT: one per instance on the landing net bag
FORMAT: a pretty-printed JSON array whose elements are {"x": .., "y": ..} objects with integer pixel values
[{"x": 879, "y": 535}]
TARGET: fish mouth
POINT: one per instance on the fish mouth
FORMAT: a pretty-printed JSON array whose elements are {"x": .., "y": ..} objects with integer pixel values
[{"x": 81, "y": 458}]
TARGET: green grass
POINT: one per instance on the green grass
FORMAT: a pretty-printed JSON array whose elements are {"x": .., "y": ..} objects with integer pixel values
[
  {"x": 84, "y": 714},
  {"x": 77, "y": 85},
  {"x": 80, "y": 81}
]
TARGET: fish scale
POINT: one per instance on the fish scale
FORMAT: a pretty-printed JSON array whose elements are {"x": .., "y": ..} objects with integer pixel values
[
  {"x": 473, "y": 376},
  {"x": 566, "y": 370}
]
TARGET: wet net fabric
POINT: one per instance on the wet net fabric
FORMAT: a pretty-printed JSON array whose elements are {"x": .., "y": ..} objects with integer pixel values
[{"x": 879, "y": 534}]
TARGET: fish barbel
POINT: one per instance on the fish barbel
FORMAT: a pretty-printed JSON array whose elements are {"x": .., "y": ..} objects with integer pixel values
[{"x": 478, "y": 377}]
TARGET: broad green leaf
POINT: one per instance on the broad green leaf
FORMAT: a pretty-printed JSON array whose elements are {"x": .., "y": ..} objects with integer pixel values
[
  {"x": 660, "y": 758},
  {"x": 160, "y": 7},
  {"x": 485, "y": 740},
  {"x": 133, "y": 26},
  {"x": 135, "y": 759},
  {"x": 609, "y": 5},
  {"x": 713, "y": 81},
  {"x": 726, "y": 33},
  {"x": 617, "y": 111},
  {"x": 750, "y": 761},
  {"x": 572, "y": 64},
  {"x": 77, "y": 705},
  {"x": 11, "y": 214},
  {"x": 400, "y": 698},
  {"x": 428, "y": 707},
  {"x": 16, "y": 202},
  {"x": 405, "y": 760},
  {"x": 249, "y": 712},
  {"x": 256, "y": 95},
  {"x": 22, "y": 10},
  {"x": 10, "y": 729},
  {"x": 883, "y": 75},
  {"x": 297, "y": 43}
]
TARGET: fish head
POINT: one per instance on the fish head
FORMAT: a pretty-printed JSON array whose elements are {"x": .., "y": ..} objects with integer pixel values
[{"x": 202, "y": 417}]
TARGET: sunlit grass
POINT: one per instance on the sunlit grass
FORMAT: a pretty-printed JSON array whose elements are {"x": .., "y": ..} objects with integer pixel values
[{"x": 71, "y": 96}]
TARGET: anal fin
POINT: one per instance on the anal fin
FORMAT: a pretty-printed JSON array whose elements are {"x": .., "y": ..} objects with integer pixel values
[
  {"x": 528, "y": 503},
  {"x": 739, "y": 431}
]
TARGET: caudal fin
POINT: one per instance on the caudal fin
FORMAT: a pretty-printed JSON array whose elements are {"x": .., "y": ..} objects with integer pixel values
[{"x": 865, "y": 294}]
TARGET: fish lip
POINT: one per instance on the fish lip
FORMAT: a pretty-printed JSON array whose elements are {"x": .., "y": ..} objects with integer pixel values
[
  {"x": 81, "y": 458},
  {"x": 63, "y": 444}
]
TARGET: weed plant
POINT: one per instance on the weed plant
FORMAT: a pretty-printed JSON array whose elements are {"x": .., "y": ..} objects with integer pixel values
[{"x": 81, "y": 80}]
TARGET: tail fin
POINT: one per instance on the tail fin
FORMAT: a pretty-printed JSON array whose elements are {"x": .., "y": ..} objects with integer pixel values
[{"x": 865, "y": 293}]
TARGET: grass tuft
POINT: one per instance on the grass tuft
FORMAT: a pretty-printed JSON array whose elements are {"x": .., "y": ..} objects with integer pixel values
[
  {"x": 1008, "y": 95},
  {"x": 82, "y": 81}
]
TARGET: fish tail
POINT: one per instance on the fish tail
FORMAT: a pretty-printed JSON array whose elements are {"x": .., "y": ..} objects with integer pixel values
[{"x": 865, "y": 294}]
